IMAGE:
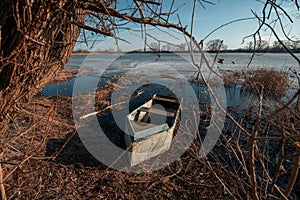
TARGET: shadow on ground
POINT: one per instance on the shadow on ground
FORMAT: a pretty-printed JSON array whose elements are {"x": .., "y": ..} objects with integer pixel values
[{"x": 71, "y": 151}]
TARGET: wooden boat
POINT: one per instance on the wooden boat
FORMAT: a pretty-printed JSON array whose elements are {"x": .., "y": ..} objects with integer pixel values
[{"x": 150, "y": 127}]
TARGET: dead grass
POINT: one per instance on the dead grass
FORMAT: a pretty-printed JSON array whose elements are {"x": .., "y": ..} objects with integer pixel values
[
  {"x": 232, "y": 78},
  {"x": 64, "y": 75},
  {"x": 44, "y": 158},
  {"x": 274, "y": 83}
]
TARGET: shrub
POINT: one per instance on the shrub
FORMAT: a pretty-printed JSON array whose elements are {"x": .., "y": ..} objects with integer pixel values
[
  {"x": 274, "y": 83},
  {"x": 231, "y": 78}
]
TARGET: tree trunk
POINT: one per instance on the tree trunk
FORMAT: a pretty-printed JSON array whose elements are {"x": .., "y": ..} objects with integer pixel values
[{"x": 36, "y": 42}]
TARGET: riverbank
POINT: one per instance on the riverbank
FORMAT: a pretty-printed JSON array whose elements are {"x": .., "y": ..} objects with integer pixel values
[
  {"x": 64, "y": 75},
  {"x": 43, "y": 156}
]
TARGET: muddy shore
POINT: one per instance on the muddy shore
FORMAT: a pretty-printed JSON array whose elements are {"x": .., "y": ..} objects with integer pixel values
[{"x": 43, "y": 158}]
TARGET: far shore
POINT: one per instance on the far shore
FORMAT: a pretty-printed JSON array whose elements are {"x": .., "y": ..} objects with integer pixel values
[
  {"x": 152, "y": 52},
  {"x": 92, "y": 53}
]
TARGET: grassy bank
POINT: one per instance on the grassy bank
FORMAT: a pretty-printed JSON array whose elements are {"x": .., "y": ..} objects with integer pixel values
[{"x": 42, "y": 156}]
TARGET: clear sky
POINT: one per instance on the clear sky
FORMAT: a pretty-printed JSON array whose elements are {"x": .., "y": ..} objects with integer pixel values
[
  {"x": 209, "y": 18},
  {"x": 228, "y": 10}
]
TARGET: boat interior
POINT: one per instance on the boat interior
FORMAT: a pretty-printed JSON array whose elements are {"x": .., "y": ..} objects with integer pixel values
[{"x": 164, "y": 108}]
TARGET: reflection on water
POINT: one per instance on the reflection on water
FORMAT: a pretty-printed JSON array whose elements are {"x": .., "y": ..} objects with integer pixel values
[
  {"x": 102, "y": 68},
  {"x": 66, "y": 88}
]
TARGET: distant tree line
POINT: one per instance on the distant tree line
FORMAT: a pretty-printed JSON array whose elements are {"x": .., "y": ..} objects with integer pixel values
[
  {"x": 216, "y": 45},
  {"x": 260, "y": 46},
  {"x": 263, "y": 46},
  {"x": 79, "y": 50}
]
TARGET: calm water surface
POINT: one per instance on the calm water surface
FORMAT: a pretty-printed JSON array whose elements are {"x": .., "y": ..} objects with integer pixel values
[{"x": 102, "y": 68}]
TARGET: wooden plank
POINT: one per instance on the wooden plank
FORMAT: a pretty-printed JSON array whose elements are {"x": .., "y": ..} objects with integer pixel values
[
  {"x": 158, "y": 111},
  {"x": 168, "y": 99},
  {"x": 152, "y": 146},
  {"x": 144, "y": 130},
  {"x": 140, "y": 126}
]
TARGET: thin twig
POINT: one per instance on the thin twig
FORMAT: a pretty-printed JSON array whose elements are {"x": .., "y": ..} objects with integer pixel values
[
  {"x": 2, "y": 188},
  {"x": 295, "y": 170},
  {"x": 252, "y": 148}
]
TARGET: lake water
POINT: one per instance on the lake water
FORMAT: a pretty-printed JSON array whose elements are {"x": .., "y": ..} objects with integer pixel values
[{"x": 101, "y": 68}]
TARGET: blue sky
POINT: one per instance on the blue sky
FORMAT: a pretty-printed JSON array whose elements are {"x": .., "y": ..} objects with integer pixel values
[
  {"x": 228, "y": 10},
  {"x": 209, "y": 18}
]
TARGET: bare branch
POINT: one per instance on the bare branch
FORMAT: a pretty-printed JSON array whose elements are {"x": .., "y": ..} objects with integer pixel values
[
  {"x": 150, "y": 2},
  {"x": 226, "y": 24}
]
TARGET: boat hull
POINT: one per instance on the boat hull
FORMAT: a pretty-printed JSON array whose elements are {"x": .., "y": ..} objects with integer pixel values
[{"x": 146, "y": 140}]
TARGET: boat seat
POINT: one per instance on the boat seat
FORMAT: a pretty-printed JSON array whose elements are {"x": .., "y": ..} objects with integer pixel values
[
  {"x": 168, "y": 99},
  {"x": 168, "y": 113},
  {"x": 143, "y": 129}
]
